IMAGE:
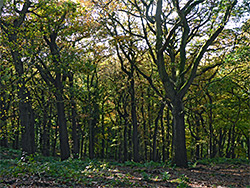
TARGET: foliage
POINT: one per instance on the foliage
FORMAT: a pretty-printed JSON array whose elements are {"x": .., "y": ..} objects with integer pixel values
[
  {"x": 36, "y": 170},
  {"x": 118, "y": 69}
]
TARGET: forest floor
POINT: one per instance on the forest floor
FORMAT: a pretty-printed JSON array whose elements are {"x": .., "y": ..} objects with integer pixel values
[{"x": 37, "y": 171}]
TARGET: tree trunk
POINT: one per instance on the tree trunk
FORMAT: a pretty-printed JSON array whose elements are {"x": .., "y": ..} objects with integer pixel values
[
  {"x": 55, "y": 140},
  {"x": 27, "y": 120},
  {"x": 228, "y": 143},
  {"x": 220, "y": 146},
  {"x": 156, "y": 130},
  {"x": 92, "y": 124},
  {"x": 25, "y": 107},
  {"x": 144, "y": 128},
  {"x": 125, "y": 142},
  {"x": 134, "y": 122},
  {"x": 155, "y": 139},
  {"x": 129, "y": 141},
  {"x": 16, "y": 120},
  {"x": 63, "y": 132},
  {"x": 168, "y": 134},
  {"x": 148, "y": 131},
  {"x": 197, "y": 152},
  {"x": 103, "y": 132},
  {"x": 45, "y": 135},
  {"x": 75, "y": 133},
  {"x": 179, "y": 141},
  {"x": 91, "y": 139},
  {"x": 163, "y": 140}
]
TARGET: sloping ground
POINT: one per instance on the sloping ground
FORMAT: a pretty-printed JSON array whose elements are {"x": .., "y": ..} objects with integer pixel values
[{"x": 37, "y": 171}]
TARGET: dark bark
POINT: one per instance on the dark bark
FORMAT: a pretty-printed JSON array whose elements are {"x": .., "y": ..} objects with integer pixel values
[
  {"x": 136, "y": 156},
  {"x": 233, "y": 143},
  {"x": 45, "y": 135},
  {"x": 228, "y": 143},
  {"x": 159, "y": 116},
  {"x": 92, "y": 124},
  {"x": 168, "y": 134},
  {"x": 81, "y": 145},
  {"x": 144, "y": 129},
  {"x": 197, "y": 152},
  {"x": 125, "y": 142},
  {"x": 16, "y": 122},
  {"x": 220, "y": 143},
  {"x": 54, "y": 139},
  {"x": 63, "y": 132},
  {"x": 75, "y": 132},
  {"x": 91, "y": 138},
  {"x": 179, "y": 141},
  {"x": 103, "y": 131},
  {"x": 163, "y": 140},
  {"x": 210, "y": 123},
  {"x": 150, "y": 120},
  {"x": 129, "y": 141},
  {"x": 120, "y": 134},
  {"x": 45, "y": 149},
  {"x": 123, "y": 102}
]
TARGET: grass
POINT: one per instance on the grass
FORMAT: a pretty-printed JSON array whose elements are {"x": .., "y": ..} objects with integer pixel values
[
  {"x": 68, "y": 172},
  {"x": 29, "y": 170}
]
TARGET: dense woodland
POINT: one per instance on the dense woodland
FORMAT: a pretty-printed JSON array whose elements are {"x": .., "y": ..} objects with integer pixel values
[{"x": 141, "y": 80}]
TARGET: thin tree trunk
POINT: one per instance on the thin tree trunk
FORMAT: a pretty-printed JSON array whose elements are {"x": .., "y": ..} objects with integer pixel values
[
  {"x": 144, "y": 129},
  {"x": 125, "y": 142},
  {"x": 163, "y": 140},
  {"x": 75, "y": 133},
  {"x": 54, "y": 140},
  {"x": 228, "y": 143},
  {"x": 103, "y": 132},
  {"x": 45, "y": 137},
  {"x": 91, "y": 138},
  {"x": 156, "y": 131},
  {"x": 136, "y": 156},
  {"x": 129, "y": 141},
  {"x": 168, "y": 134}
]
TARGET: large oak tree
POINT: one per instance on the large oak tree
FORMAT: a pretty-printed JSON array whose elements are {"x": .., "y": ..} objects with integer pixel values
[{"x": 177, "y": 34}]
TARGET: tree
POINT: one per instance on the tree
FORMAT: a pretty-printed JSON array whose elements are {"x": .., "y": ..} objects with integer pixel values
[
  {"x": 13, "y": 31},
  {"x": 170, "y": 29}
]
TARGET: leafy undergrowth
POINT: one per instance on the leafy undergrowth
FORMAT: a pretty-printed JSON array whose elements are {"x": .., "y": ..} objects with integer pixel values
[{"x": 17, "y": 170}]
